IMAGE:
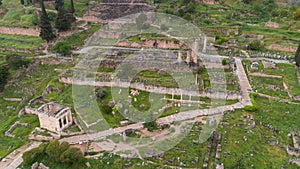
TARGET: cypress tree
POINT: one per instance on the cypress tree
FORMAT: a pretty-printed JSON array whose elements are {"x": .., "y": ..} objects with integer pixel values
[
  {"x": 58, "y": 4},
  {"x": 45, "y": 25},
  {"x": 297, "y": 56},
  {"x": 72, "y": 7},
  {"x": 4, "y": 73},
  {"x": 72, "y": 12},
  {"x": 63, "y": 21}
]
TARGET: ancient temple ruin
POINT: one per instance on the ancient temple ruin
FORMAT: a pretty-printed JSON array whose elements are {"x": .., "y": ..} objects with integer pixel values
[{"x": 54, "y": 117}]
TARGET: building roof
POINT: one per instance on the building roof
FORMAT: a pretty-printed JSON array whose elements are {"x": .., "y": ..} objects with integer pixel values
[{"x": 52, "y": 109}]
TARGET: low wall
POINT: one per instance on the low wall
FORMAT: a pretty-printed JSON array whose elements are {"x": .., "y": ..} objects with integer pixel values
[
  {"x": 19, "y": 31},
  {"x": 155, "y": 89}
]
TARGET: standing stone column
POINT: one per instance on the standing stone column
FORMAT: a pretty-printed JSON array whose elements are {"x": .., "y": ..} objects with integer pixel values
[
  {"x": 179, "y": 57},
  {"x": 194, "y": 56},
  {"x": 67, "y": 119},
  {"x": 188, "y": 57}
]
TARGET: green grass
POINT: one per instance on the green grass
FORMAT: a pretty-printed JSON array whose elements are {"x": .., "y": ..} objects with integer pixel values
[
  {"x": 261, "y": 84},
  {"x": 30, "y": 85},
  {"x": 264, "y": 155},
  {"x": 18, "y": 18},
  {"x": 289, "y": 76},
  {"x": 186, "y": 150},
  {"x": 77, "y": 39},
  {"x": 19, "y": 42},
  {"x": 11, "y": 4},
  {"x": 288, "y": 71}
]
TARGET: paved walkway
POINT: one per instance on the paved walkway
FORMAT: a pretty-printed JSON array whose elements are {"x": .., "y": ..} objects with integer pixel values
[
  {"x": 14, "y": 159},
  {"x": 244, "y": 82},
  {"x": 245, "y": 89}
]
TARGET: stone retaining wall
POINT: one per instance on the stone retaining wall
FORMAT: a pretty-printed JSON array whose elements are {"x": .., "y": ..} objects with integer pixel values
[
  {"x": 19, "y": 31},
  {"x": 155, "y": 89}
]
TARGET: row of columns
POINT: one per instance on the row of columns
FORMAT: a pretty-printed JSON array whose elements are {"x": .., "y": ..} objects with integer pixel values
[
  {"x": 64, "y": 119},
  {"x": 190, "y": 56}
]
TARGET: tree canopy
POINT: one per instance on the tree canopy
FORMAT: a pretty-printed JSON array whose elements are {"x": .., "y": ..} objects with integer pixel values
[
  {"x": 297, "y": 56},
  {"x": 4, "y": 74},
  {"x": 45, "y": 25}
]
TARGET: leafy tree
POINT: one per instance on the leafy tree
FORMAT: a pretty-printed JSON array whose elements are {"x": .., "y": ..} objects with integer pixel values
[
  {"x": 152, "y": 125},
  {"x": 30, "y": 157},
  {"x": 0, "y": 2},
  {"x": 224, "y": 61},
  {"x": 255, "y": 45},
  {"x": 105, "y": 109},
  {"x": 4, "y": 74},
  {"x": 52, "y": 150},
  {"x": 45, "y": 25},
  {"x": 22, "y": 2},
  {"x": 62, "y": 48},
  {"x": 72, "y": 156},
  {"x": 64, "y": 146},
  {"x": 297, "y": 56},
  {"x": 100, "y": 92}
]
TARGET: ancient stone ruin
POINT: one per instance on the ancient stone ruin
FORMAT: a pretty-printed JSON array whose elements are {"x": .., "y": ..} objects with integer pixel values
[
  {"x": 55, "y": 117},
  {"x": 52, "y": 116},
  {"x": 112, "y": 9}
]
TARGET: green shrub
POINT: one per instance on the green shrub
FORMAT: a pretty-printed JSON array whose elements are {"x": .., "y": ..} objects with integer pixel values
[
  {"x": 150, "y": 126},
  {"x": 296, "y": 14},
  {"x": 15, "y": 62},
  {"x": 255, "y": 45},
  {"x": 72, "y": 156},
  {"x": 4, "y": 74},
  {"x": 220, "y": 40},
  {"x": 250, "y": 108},
  {"x": 224, "y": 62},
  {"x": 62, "y": 48},
  {"x": 100, "y": 92}
]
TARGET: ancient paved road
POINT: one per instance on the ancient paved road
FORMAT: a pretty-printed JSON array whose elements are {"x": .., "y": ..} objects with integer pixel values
[
  {"x": 182, "y": 116},
  {"x": 14, "y": 160},
  {"x": 244, "y": 82},
  {"x": 245, "y": 89}
]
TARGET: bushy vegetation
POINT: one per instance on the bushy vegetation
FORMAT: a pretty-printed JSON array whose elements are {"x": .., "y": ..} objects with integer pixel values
[
  {"x": 58, "y": 152},
  {"x": 255, "y": 45},
  {"x": 45, "y": 25},
  {"x": 297, "y": 56},
  {"x": 3, "y": 75},
  {"x": 62, "y": 48},
  {"x": 220, "y": 40},
  {"x": 150, "y": 126},
  {"x": 15, "y": 62}
]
